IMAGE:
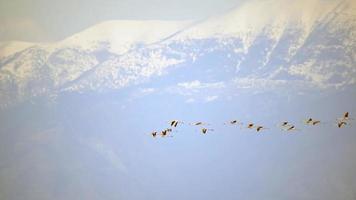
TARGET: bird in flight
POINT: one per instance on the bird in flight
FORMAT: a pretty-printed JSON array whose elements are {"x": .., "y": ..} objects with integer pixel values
[
  {"x": 154, "y": 134},
  {"x": 346, "y": 114},
  {"x": 174, "y": 123},
  {"x": 165, "y": 132},
  {"x": 198, "y": 123},
  {"x": 308, "y": 121},
  {"x": 311, "y": 121},
  {"x": 291, "y": 128},
  {"x": 345, "y": 117},
  {"x": 316, "y": 122},
  {"x": 341, "y": 124},
  {"x": 233, "y": 122},
  {"x": 251, "y": 125},
  {"x": 205, "y": 130},
  {"x": 343, "y": 121},
  {"x": 285, "y": 123},
  {"x": 260, "y": 128}
]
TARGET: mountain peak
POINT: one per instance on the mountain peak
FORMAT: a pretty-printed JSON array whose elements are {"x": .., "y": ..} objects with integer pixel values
[
  {"x": 11, "y": 47},
  {"x": 254, "y": 16},
  {"x": 121, "y": 35}
]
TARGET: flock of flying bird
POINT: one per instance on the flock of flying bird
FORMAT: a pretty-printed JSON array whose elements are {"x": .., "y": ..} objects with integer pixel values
[{"x": 285, "y": 126}]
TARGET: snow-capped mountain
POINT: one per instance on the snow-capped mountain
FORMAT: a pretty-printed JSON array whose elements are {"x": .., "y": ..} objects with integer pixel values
[
  {"x": 120, "y": 36},
  {"x": 12, "y": 47},
  {"x": 309, "y": 43}
]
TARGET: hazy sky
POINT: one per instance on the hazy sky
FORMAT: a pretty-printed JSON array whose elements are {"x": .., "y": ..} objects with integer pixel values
[{"x": 42, "y": 20}]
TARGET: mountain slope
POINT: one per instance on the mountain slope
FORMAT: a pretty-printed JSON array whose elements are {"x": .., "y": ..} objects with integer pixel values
[
  {"x": 10, "y": 48},
  {"x": 121, "y": 36},
  {"x": 300, "y": 42}
]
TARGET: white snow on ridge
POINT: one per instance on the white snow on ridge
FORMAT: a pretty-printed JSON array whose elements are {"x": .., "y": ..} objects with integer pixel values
[
  {"x": 11, "y": 47},
  {"x": 121, "y": 35},
  {"x": 118, "y": 36},
  {"x": 245, "y": 22},
  {"x": 253, "y": 17}
]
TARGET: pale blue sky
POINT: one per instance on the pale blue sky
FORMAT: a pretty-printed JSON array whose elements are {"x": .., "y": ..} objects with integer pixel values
[{"x": 41, "y": 20}]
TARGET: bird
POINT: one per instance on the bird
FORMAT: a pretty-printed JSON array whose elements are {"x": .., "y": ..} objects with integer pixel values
[
  {"x": 234, "y": 122},
  {"x": 251, "y": 125},
  {"x": 154, "y": 134},
  {"x": 285, "y": 123},
  {"x": 259, "y": 128},
  {"x": 345, "y": 117},
  {"x": 311, "y": 121},
  {"x": 198, "y": 123},
  {"x": 341, "y": 124},
  {"x": 308, "y": 121},
  {"x": 315, "y": 122},
  {"x": 174, "y": 123},
  {"x": 165, "y": 132},
  {"x": 291, "y": 128},
  {"x": 205, "y": 130}
]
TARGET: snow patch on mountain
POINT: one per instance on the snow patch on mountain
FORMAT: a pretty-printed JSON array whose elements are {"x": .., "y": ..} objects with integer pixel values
[
  {"x": 9, "y": 48},
  {"x": 254, "y": 17},
  {"x": 122, "y": 35}
]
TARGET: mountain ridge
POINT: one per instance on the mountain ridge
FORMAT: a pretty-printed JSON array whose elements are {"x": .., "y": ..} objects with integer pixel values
[{"x": 314, "y": 47}]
